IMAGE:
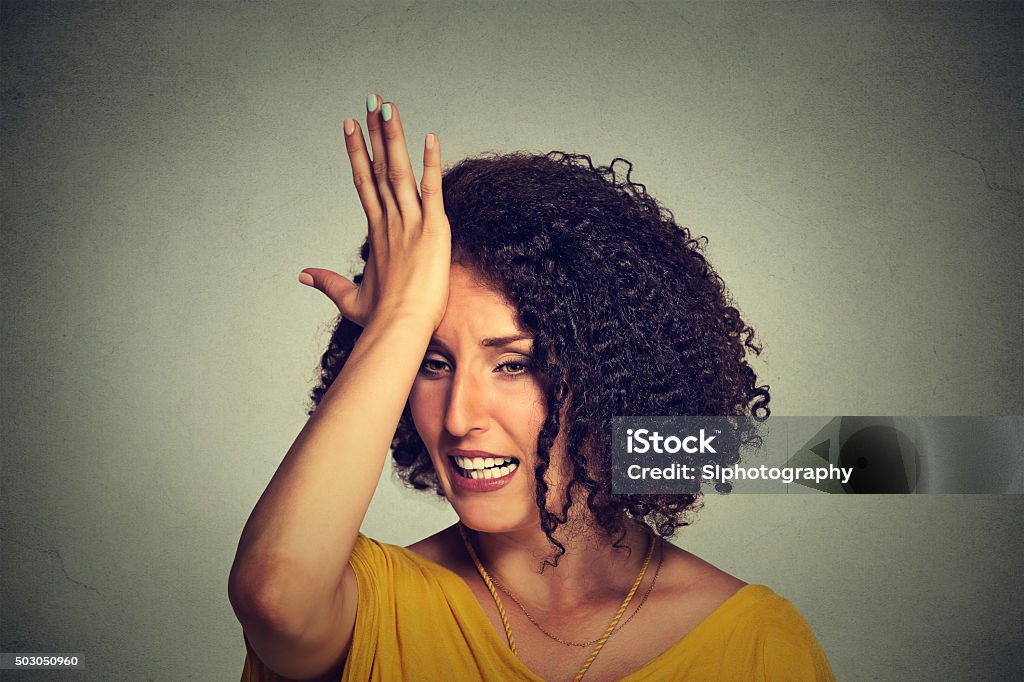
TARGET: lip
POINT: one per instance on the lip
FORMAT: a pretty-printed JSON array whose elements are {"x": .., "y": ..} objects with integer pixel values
[{"x": 477, "y": 485}]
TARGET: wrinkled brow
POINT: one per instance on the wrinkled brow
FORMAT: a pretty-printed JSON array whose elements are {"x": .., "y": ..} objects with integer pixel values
[{"x": 491, "y": 342}]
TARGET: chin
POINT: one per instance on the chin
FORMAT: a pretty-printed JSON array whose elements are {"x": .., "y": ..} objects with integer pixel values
[{"x": 485, "y": 518}]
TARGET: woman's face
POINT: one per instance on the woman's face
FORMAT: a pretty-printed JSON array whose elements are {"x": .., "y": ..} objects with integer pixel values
[{"x": 478, "y": 405}]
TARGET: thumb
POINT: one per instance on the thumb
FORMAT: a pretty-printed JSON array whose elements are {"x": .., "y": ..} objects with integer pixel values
[{"x": 340, "y": 290}]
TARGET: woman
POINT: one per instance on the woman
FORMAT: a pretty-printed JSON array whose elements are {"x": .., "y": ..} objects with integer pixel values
[{"x": 498, "y": 326}]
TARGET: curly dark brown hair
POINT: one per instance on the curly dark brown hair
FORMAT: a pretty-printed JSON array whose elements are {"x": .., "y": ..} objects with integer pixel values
[{"x": 621, "y": 301}]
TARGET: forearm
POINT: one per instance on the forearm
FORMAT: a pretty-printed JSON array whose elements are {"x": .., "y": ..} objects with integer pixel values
[{"x": 301, "y": 533}]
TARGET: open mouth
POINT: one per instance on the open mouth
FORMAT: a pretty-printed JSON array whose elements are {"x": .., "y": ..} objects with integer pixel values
[{"x": 477, "y": 468}]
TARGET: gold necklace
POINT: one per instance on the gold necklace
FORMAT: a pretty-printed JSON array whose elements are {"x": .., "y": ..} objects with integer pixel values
[
  {"x": 647, "y": 593},
  {"x": 504, "y": 617}
]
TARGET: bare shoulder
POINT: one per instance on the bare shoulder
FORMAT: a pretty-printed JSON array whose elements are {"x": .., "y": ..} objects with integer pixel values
[
  {"x": 693, "y": 581},
  {"x": 444, "y": 548}
]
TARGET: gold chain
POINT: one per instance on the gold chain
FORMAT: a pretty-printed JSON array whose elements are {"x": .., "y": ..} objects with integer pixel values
[
  {"x": 508, "y": 627},
  {"x": 647, "y": 593}
]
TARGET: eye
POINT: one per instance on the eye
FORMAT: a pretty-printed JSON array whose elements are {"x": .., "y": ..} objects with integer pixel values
[
  {"x": 514, "y": 368},
  {"x": 433, "y": 367}
]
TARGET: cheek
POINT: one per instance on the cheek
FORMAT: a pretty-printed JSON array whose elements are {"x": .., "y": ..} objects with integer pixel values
[
  {"x": 523, "y": 415},
  {"x": 424, "y": 407}
]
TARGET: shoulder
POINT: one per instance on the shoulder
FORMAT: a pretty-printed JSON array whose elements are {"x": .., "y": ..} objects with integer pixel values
[
  {"x": 726, "y": 602},
  {"x": 727, "y": 613},
  {"x": 767, "y": 633},
  {"x": 788, "y": 648},
  {"x": 445, "y": 549},
  {"x": 757, "y": 612},
  {"x": 387, "y": 575},
  {"x": 382, "y": 563},
  {"x": 690, "y": 580},
  {"x": 434, "y": 546},
  {"x": 429, "y": 561}
]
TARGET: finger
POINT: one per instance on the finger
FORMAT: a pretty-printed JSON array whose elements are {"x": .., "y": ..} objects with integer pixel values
[
  {"x": 403, "y": 182},
  {"x": 380, "y": 155},
  {"x": 362, "y": 178},
  {"x": 430, "y": 183},
  {"x": 340, "y": 290}
]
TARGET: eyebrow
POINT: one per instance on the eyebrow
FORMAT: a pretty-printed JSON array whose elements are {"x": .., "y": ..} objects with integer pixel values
[
  {"x": 504, "y": 340},
  {"x": 492, "y": 341}
]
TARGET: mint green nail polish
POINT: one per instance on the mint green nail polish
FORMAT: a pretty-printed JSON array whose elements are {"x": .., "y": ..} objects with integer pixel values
[
  {"x": 385, "y": 111},
  {"x": 371, "y": 103}
]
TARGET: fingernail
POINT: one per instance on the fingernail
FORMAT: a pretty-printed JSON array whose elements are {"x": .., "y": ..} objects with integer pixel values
[
  {"x": 306, "y": 278},
  {"x": 385, "y": 111},
  {"x": 371, "y": 103},
  {"x": 431, "y": 140},
  {"x": 350, "y": 126}
]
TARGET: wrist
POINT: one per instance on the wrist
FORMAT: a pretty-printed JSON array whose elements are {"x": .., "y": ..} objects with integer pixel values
[{"x": 411, "y": 321}]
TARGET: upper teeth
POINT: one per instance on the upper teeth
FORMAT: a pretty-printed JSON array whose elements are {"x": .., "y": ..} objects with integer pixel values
[{"x": 482, "y": 462}]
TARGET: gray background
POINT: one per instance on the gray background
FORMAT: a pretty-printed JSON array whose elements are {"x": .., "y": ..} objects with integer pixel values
[{"x": 168, "y": 168}]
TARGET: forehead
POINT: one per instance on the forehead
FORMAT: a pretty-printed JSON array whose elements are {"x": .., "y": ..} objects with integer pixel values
[{"x": 475, "y": 308}]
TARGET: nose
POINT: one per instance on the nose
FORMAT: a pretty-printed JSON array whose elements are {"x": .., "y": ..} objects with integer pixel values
[{"x": 467, "y": 405}]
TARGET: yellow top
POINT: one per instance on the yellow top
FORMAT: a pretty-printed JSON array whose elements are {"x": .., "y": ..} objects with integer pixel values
[{"x": 417, "y": 620}]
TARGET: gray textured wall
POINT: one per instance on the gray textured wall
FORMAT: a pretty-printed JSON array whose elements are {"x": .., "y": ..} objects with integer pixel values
[{"x": 169, "y": 167}]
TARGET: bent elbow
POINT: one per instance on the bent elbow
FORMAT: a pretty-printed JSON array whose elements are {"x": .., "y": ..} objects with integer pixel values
[{"x": 263, "y": 601}]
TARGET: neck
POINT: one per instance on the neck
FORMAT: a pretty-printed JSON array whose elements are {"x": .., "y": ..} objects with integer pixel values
[{"x": 591, "y": 571}]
